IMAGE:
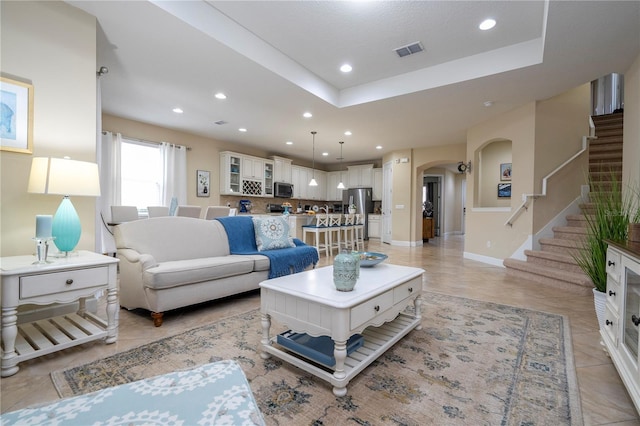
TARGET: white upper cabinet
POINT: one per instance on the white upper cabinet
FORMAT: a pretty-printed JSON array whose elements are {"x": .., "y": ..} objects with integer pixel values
[
  {"x": 245, "y": 175},
  {"x": 333, "y": 179},
  {"x": 282, "y": 169},
  {"x": 360, "y": 176}
]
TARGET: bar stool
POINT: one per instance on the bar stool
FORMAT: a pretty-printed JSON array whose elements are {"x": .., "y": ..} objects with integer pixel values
[
  {"x": 347, "y": 229},
  {"x": 321, "y": 227},
  {"x": 358, "y": 228},
  {"x": 334, "y": 232}
]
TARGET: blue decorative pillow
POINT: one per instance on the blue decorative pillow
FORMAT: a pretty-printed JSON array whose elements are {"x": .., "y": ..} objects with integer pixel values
[{"x": 272, "y": 233}]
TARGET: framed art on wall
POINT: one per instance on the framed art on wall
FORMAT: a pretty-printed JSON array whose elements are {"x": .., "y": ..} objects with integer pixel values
[
  {"x": 16, "y": 116},
  {"x": 505, "y": 171},
  {"x": 203, "y": 183},
  {"x": 504, "y": 190}
]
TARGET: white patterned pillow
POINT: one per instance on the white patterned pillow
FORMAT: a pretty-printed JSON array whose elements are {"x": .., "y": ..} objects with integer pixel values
[{"x": 272, "y": 233}]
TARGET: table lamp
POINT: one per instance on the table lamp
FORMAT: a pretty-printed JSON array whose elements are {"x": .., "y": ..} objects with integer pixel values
[{"x": 64, "y": 177}]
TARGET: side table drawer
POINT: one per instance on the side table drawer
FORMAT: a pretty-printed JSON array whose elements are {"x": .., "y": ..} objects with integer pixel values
[
  {"x": 59, "y": 282},
  {"x": 407, "y": 289},
  {"x": 371, "y": 308}
]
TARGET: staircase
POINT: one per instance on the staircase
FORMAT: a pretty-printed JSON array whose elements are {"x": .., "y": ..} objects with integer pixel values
[{"x": 553, "y": 264}]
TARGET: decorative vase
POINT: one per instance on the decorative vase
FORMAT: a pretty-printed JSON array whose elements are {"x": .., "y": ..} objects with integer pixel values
[
  {"x": 599, "y": 301},
  {"x": 352, "y": 210},
  {"x": 356, "y": 255},
  {"x": 345, "y": 271}
]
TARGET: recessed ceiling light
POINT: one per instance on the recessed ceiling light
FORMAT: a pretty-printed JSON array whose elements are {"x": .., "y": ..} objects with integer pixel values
[
  {"x": 346, "y": 68},
  {"x": 488, "y": 103},
  {"x": 307, "y": 115},
  {"x": 220, "y": 95},
  {"x": 347, "y": 133},
  {"x": 325, "y": 154},
  {"x": 178, "y": 110},
  {"x": 379, "y": 147},
  {"x": 289, "y": 143},
  {"x": 487, "y": 24},
  {"x": 242, "y": 129}
]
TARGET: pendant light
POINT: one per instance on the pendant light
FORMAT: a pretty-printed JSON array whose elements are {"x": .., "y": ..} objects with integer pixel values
[
  {"x": 341, "y": 185},
  {"x": 313, "y": 153}
]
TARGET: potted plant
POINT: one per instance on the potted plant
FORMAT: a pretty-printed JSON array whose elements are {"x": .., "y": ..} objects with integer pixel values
[
  {"x": 608, "y": 218},
  {"x": 352, "y": 208}
]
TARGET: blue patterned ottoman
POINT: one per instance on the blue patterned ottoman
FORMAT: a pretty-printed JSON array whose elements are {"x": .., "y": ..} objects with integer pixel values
[{"x": 212, "y": 394}]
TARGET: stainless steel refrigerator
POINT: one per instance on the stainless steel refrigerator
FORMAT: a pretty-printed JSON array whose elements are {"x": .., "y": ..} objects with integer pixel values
[{"x": 362, "y": 198}]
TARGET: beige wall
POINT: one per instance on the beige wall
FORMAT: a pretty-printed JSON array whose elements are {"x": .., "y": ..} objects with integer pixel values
[
  {"x": 53, "y": 46},
  {"x": 631, "y": 149},
  {"x": 491, "y": 157},
  {"x": 561, "y": 122},
  {"x": 486, "y": 235}
]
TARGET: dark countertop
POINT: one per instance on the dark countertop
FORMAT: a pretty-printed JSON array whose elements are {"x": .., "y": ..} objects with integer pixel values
[{"x": 630, "y": 248}]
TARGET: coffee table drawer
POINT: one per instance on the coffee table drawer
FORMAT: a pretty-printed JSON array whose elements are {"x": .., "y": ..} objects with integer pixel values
[
  {"x": 407, "y": 290},
  {"x": 371, "y": 308}
]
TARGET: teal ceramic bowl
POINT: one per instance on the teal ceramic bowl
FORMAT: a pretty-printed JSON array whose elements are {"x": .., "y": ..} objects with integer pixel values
[{"x": 369, "y": 259}]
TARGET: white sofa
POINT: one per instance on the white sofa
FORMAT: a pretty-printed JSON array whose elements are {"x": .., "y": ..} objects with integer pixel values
[{"x": 172, "y": 262}]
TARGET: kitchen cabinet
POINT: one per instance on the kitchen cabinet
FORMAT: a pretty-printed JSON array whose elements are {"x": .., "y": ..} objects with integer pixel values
[
  {"x": 375, "y": 230},
  {"x": 245, "y": 175},
  {"x": 360, "y": 176},
  {"x": 377, "y": 184},
  {"x": 281, "y": 169},
  {"x": 301, "y": 189},
  {"x": 622, "y": 314},
  {"x": 333, "y": 179}
]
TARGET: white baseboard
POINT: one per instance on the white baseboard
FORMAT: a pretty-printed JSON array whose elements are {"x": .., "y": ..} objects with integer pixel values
[
  {"x": 484, "y": 259},
  {"x": 406, "y": 243}
]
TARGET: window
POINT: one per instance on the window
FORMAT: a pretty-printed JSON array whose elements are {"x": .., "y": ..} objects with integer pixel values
[{"x": 141, "y": 171}]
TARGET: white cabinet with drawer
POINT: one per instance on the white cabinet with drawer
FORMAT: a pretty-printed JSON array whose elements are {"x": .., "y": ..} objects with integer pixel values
[
  {"x": 59, "y": 280},
  {"x": 621, "y": 332}
]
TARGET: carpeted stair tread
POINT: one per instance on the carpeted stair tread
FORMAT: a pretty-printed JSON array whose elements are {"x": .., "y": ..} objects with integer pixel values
[
  {"x": 570, "y": 281},
  {"x": 576, "y": 220},
  {"x": 559, "y": 261},
  {"x": 569, "y": 232}
]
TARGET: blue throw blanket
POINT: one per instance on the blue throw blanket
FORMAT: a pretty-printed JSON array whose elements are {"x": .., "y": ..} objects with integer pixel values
[{"x": 242, "y": 240}]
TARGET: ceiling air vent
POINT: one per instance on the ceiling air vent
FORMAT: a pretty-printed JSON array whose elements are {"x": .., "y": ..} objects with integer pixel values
[
  {"x": 409, "y": 49},
  {"x": 220, "y": 122}
]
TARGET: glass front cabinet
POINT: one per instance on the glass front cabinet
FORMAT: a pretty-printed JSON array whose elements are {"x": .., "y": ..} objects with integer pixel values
[
  {"x": 622, "y": 314},
  {"x": 245, "y": 175}
]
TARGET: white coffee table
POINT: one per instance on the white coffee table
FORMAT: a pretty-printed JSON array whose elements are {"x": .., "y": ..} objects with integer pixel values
[{"x": 309, "y": 303}]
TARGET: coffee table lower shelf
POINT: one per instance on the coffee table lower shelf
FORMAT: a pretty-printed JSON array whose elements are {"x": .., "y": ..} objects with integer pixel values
[{"x": 376, "y": 342}]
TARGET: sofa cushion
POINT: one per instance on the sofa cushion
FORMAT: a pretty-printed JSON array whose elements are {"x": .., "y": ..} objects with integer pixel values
[
  {"x": 260, "y": 262},
  {"x": 181, "y": 272},
  {"x": 171, "y": 238},
  {"x": 272, "y": 233}
]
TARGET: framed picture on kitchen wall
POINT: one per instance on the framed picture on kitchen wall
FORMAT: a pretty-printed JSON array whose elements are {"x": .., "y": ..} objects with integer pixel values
[
  {"x": 505, "y": 171},
  {"x": 16, "y": 116},
  {"x": 203, "y": 183}
]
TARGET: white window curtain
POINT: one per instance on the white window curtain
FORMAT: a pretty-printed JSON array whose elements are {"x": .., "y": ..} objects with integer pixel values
[
  {"x": 109, "y": 147},
  {"x": 174, "y": 165}
]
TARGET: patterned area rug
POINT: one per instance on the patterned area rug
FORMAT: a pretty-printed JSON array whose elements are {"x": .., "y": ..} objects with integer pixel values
[{"x": 473, "y": 363}]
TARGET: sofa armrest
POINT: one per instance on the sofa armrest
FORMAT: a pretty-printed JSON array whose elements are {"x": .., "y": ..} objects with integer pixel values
[{"x": 146, "y": 260}]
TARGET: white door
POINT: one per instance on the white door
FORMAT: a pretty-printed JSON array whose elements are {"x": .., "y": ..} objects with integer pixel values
[{"x": 387, "y": 201}]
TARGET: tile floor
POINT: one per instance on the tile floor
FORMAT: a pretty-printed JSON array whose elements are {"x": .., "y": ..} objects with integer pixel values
[{"x": 604, "y": 398}]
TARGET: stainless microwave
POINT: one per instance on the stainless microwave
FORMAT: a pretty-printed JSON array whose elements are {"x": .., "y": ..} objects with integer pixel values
[{"x": 282, "y": 190}]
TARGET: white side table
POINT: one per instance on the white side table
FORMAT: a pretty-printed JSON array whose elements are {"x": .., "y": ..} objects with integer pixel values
[{"x": 60, "y": 280}]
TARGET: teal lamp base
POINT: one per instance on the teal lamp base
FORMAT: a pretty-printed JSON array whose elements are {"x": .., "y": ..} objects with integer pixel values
[{"x": 65, "y": 227}]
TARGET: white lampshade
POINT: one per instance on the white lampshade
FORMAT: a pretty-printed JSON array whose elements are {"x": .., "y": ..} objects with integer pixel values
[
  {"x": 64, "y": 177},
  {"x": 313, "y": 182}
]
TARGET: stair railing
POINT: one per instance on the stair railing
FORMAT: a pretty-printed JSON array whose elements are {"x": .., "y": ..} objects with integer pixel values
[{"x": 527, "y": 199}]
